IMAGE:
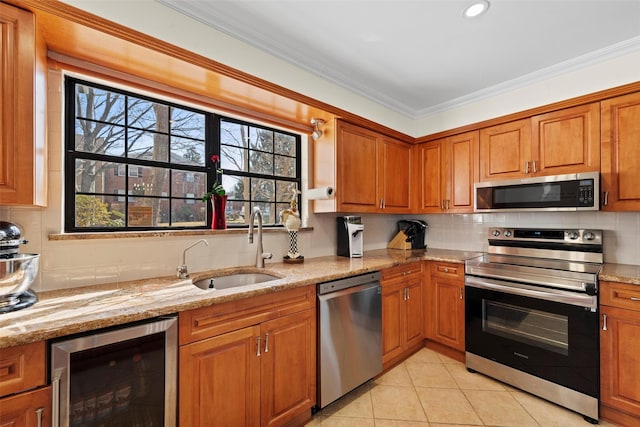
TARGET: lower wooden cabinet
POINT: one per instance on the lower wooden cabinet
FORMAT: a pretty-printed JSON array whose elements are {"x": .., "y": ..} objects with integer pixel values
[
  {"x": 620, "y": 353},
  {"x": 28, "y": 409},
  {"x": 444, "y": 318},
  {"x": 402, "y": 303},
  {"x": 262, "y": 374},
  {"x": 24, "y": 402}
]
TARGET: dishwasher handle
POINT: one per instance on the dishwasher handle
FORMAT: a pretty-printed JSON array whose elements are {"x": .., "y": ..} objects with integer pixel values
[
  {"x": 349, "y": 291},
  {"x": 349, "y": 282}
]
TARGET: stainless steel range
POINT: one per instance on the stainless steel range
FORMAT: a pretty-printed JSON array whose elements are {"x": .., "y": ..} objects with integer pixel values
[{"x": 532, "y": 313}]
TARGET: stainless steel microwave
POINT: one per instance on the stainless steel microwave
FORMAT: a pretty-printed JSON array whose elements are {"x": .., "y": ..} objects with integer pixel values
[{"x": 572, "y": 192}]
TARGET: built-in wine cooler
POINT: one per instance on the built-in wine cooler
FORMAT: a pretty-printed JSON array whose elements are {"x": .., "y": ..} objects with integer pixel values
[{"x": 118, "y": 377}]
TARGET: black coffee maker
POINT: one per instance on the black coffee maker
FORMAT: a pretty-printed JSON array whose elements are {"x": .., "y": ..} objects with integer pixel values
[{"x": 415, "y": 230}]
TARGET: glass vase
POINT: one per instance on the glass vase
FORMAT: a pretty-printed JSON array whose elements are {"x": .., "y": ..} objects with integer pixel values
[{"x": 218, "y": 206}]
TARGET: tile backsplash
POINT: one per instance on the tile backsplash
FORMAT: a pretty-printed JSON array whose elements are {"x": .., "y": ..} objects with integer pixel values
[{"x": 74, "y": 263}]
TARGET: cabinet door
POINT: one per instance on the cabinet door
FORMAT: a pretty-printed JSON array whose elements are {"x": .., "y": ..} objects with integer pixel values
[
  {"x": 395, "y": 164},
  {"x": 392, "y": 324},
  {"x": 620, "y": 142},
  {"x": 505, "y": 151},
  {"x": 413, "y": 312},
  {"x": 566, "y": 141},
  {"x": 288, "y": 375},
  {"x": 620, "y": 359},
  {"x": 22, "y": 151},
  {"x": 460, "y": 172},
  {"x": 24, "y": 409},
  {"x": 219, "y": 381},
  {"x": 429, "y": 159},
  {"x": 357, "y": 169},
  {"x": 446, "y": 322}
]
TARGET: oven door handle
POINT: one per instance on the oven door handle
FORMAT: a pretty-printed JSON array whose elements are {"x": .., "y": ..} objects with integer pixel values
[{"x": 513, "y": 288}]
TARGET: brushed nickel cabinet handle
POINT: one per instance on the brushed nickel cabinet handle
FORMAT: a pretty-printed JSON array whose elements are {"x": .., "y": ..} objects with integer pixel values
[
  {"x": 39, "y": 412},
  {"x": 266, "y": 342},
  {"x": 604, "y": 322},
  {"x": 258, "y": 346},
  {"x": 535, "y": 170},
  {"x": 634, "y": 299},
  {"x": 447, "y": 204},
  {"x": 461, "y": 296},
  {"x": 442, "y": 204},
  {"x": 408, "y": 293},
  {"x": 526, "y": 168},
  {"x": 606, "y": 198}
]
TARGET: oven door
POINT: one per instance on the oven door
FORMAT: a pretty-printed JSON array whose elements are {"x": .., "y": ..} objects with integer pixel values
[{"x": 551, "y": 334}]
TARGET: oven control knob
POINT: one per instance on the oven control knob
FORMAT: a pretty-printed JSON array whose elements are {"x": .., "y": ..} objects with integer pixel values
[
  {"x": 496, "y": 232},
  {"x": 590, "y": 288},
  {"x": 507, "y": 233},
  {"x": 573, "y": 235},
  {"x": 588, "y": 235}
]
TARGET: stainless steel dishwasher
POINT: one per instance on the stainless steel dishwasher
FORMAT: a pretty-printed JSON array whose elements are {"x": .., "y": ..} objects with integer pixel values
[{"x": 349, "y": 334}]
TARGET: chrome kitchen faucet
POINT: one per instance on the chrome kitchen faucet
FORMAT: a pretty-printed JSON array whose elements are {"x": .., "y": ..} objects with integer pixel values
[
  {"x": 260, "y": 255},
  {"x": 182, "y": 271}
]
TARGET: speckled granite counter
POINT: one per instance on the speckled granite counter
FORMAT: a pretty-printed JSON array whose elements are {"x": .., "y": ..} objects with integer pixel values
[
  {"x": 64, "y": 312},
  {"x": 623, "y": 273}
]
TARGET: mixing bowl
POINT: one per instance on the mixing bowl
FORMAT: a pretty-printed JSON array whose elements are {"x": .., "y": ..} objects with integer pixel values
[{"x": 17, "y": 273}]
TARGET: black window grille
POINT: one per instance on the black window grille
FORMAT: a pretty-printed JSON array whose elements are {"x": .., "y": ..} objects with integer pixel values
[{"x": 137, "y": 163}]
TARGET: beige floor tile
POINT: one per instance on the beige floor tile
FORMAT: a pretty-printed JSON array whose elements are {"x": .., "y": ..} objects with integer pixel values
[
  {"x": 499, "y": 408},
  {"x": 447, "y": 406},
  {"x": 430, "y": 375},
  {"x": 549, "y": 414},
  {"x": 472, "y": 381},
  {"x": 396, "y": 403},
  {"x": 398, "y": 375},
  {"x": 355, "y": 404},
  {"x": 451, "y": 425},
  {"x": 337, "y": 421},
  {"x": 425, "y": 355},
  {"x": 396, "y": 423}
]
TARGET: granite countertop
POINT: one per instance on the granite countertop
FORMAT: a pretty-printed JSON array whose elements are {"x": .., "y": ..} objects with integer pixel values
[
  {"x": 624, "y": 273},
  {"x": 69, "y": 311}
]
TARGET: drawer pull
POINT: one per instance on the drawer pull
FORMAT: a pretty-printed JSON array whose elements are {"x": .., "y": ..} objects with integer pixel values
[
  {"x": 604, "y": 322},
  {"x": 266, "y": 342},
  {"x": 258, "y": 346},
  {"x": 461, "y": 296},
  {"x": 39, "y": 412},
  {"x": 634, "y": 299}
]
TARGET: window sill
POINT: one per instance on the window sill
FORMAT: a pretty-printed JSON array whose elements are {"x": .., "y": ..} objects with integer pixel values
[{"x": 159, "y": 233}]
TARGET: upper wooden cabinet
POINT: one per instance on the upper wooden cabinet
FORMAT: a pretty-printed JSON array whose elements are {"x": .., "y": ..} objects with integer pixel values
[
  {"x": 22, "y": 137},
  {"x": 444, "y": 171},
  {"x": 620, "y": 144},
  {"x": 555, "y": 143},
  {"x": 370, "y": 172}
]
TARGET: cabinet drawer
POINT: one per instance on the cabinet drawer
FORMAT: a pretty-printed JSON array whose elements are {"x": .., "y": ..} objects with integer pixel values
[
  {"x": 201, "y": 323},
  {"x": 449, "y": 270},
  {"x": 401, "y": 271},
  {"x": 620, "y": 295},
  {"x": 22, "y": 368}
]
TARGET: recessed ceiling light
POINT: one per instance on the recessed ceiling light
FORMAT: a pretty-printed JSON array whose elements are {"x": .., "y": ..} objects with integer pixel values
[{"x": 476, "y": 9}]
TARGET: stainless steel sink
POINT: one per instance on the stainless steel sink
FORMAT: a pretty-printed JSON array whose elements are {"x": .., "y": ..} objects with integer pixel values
[{"x": 233, "y": 280}]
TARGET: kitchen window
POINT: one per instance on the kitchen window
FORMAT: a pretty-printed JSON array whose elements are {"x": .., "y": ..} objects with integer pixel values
[{"x": 138, "y": 163}]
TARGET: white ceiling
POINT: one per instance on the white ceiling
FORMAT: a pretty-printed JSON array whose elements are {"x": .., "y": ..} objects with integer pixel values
[{"x": 422, "y": 56}]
